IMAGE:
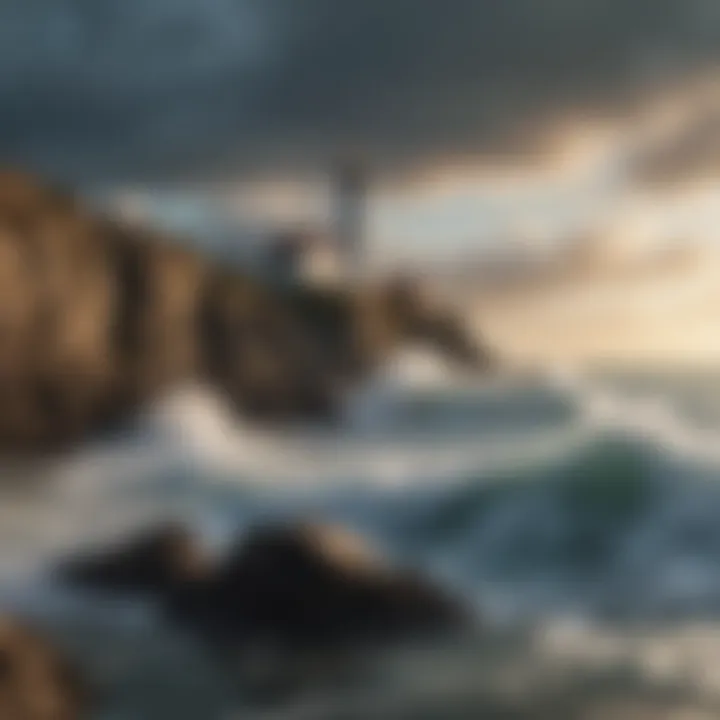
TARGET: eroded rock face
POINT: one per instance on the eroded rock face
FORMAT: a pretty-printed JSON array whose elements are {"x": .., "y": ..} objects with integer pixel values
[
  {"x": 93, "y": 317},
  {"x": 36, "y": 681},
  {"x": 97, "y": 319}
]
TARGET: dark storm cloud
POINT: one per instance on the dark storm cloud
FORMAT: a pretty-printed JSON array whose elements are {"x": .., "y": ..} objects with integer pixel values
[{"x": 192, "y": 88}]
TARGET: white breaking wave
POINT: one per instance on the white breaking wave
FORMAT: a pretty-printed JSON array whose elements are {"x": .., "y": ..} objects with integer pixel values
[{"x": 546, "y": 496}]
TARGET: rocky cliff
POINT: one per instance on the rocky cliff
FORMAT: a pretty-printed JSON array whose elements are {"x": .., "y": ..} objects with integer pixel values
[{"x": 98, "y": 318}]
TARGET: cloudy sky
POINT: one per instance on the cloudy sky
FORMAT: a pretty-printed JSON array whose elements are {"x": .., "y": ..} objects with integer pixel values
[{"x": 479, "y": 118}]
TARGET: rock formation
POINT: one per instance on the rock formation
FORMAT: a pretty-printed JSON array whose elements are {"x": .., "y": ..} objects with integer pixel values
[
  {"x": 355, "y": 331},
  {"x": 290, "y": 606},
  {"x": 310, "y": 586},
  {"x": 295, "y": 585},
  {"x": 98, "y": 318}
]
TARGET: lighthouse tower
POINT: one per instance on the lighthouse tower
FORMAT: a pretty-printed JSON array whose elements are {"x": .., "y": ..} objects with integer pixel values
[{"x": 350, "y": 196}]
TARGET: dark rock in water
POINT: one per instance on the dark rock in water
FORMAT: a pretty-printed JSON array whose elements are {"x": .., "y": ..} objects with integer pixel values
[
  {"x": 293, "y": 606},
  {"x": 313, "y": 587},
  {"x": 97, "y": 319},
  {"x": 146, "y": 565},
  {"x": 36, "y": 682}
]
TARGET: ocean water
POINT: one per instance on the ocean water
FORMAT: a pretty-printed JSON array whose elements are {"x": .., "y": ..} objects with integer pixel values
[{"x": 579, "y": 512}]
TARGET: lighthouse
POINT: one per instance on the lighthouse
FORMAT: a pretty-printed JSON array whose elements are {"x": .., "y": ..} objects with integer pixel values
[{"x": 350, "y": 197}]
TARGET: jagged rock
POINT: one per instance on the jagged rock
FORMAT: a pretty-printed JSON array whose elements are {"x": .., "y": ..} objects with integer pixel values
[
  {"x": 290, "y": 606},
  {"x": 356, "y": 330},
  {"x": 312, "y": 586},
  {"x": 290, "y": 584}
]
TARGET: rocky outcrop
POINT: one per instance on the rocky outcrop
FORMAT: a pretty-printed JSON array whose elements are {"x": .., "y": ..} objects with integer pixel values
[
  {"x": 291, "y": 606},
  {"x": 93, "y": 318},
  {"x": 310, "y": 586},
  {"x": 295, "y": 585},
  {"x": 146, "y": 565},
  {"x": 355, "y": 331},
  {"x": 36, "y": 681},
  {"x": 97, "y": 319}
]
